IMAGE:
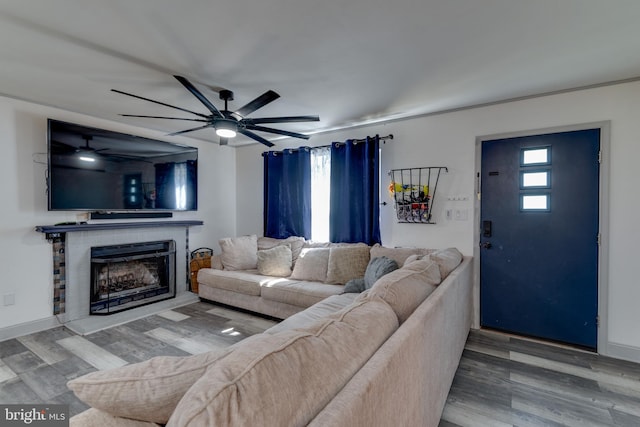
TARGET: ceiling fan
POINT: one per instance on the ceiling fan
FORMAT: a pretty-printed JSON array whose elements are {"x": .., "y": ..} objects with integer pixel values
[
  {"x": 226, "y": 123},
  {"x": 86, "y": 148}
]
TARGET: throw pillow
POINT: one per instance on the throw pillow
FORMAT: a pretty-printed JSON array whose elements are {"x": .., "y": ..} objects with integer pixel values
[
  {"x": 346, "y": 263},
  {"x": 377, "y": 268},
  {"x": 275, "y": 261},
  {"x": 239, "y": 253},
  {"x": 405, "y": 289},
  {"x": 312, "y": 265},
  {"x": 447, "y": 260},
  {"x": 294, "y": 242},
  {"x": 354, "y": 286},
  {"x": 147, "y": 391},
  {"x": 400, "y": 255}
]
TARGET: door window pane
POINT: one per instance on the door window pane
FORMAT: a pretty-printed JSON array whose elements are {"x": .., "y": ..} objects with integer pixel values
[
  {"x": 538, "y": 202},
  {"x": 535, "y": 156},
  {"x": 535, "y": 179}
]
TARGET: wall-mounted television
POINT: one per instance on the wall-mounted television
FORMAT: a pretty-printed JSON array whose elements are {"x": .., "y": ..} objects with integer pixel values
[{"x": 99, "y": 170}]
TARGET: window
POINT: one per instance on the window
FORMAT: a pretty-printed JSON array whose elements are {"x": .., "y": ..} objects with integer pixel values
[
  {"x": 324, "y": 193},
  {"x": 535, "y": 202},
  {"x": 535, "y": 156},
  {"x": 540, "y": 179},
  {"x": 320, "y": 193},
  {"x": 535, "y": 174}
]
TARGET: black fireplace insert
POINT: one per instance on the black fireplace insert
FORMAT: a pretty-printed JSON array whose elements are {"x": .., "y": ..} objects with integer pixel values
[{"x": 130, "y": 275}]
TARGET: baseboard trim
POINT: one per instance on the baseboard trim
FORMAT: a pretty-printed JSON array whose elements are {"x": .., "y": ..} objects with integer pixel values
[
  {"x": 624, "y": 352},
  {"x": 96, "y": 323},
  {"x": 27, "y": 328}
]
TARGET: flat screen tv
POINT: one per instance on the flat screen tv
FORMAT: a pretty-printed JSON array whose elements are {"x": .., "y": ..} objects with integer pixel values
[{"x": 100, "y": 170}]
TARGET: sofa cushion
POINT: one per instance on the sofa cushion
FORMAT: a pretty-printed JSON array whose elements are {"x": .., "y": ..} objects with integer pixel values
[
  {"x": 243, "y": 282},
  {"x": 312, "y": 265},
  {"x": 288, "y": 379},
  {"x": 400, "y": 255},
  {"x": 322, "y": 309},
  {"x": 298, "y": 293},
  {"x": 447, "y": 260},
  {"x": 147, "y": 391},
  {"x": 95, "y": 418},
  {"x": 239, "y": 253},
  {"x": 294, "y": 242},
  {"x": 405, "y": 289},
  {"x": 275, "y": 261},
  {"x": 346, "y": 263}
]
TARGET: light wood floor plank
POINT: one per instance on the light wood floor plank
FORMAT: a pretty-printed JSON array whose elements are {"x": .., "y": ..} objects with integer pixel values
[
  {"x": 190, "y": 345},
  {"x": 173, "y": 315},
  {"x": 6, "y": 373},
  {"x": 91, "y": 353}
]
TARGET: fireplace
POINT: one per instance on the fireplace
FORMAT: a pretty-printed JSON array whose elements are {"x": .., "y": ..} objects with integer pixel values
[{"x": 130, "y": 275}]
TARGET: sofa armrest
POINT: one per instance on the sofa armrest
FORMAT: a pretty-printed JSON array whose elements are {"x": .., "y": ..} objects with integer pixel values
[{"x": 216, "y": 262}]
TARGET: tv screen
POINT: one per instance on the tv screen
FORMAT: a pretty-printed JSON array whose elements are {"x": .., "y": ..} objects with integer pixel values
[{"x": 99, "y": 170}]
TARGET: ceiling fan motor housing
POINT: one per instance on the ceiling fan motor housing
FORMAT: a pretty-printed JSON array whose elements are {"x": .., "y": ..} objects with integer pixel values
[{"x": 226, "y": 95}]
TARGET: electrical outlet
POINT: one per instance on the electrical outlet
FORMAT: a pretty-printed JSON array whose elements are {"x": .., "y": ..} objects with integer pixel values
[{"x": 9, "y": 299}]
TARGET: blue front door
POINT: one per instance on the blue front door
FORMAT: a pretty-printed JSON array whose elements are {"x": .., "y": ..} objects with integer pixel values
[{"x": 539, "y": 236}]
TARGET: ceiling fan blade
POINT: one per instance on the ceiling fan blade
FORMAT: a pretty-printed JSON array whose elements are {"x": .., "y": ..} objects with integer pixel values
[
  {"x": 191, "y": 88},
  {"x": 158, "y": 102},
  {"x": 259, "y": 102},
  {"x": 163, "y": 117},
  {"x": 224, "y": 141},
  {"x": 277, "y": 131},
  {"x": 285, "y": 119},
  {"x": 256, "y": 137},
  {"x": 189, "y": 130}
]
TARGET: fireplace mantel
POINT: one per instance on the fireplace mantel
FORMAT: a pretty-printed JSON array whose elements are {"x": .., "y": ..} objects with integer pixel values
[
  {"x": 74, "y": 227},
  {"x": 71, "y": 250}
]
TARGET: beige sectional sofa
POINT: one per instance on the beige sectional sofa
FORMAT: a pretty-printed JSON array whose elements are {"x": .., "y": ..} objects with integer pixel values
[
  {"x": 383, "y": 357},
  {"x": 319, "y": 271}
]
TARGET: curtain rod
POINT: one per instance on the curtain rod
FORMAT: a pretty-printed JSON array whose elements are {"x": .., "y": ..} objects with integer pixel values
[
  {"x": 381, "y": 138},
  {"x": 356, "y": 141}
]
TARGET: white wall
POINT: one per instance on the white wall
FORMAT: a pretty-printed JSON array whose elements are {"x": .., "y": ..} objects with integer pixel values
[
  {"x": 449, "y": 140},
  {"x": 25, "y": 255}
]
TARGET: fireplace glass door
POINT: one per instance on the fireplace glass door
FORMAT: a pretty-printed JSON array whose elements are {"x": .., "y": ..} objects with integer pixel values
[{"x": 131, "y": 275}]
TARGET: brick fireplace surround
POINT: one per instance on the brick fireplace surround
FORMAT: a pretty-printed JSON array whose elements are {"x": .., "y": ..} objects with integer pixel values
[{"x": 71, "y": 247}]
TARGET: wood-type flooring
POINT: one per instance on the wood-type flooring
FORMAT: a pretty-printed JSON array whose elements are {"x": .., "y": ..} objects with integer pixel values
[{"x": 501, "y": 381}]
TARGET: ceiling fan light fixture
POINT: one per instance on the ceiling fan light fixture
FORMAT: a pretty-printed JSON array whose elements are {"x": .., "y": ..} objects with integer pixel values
[
  {"x": 228, "y": 123},
  {"x": 226, "y": 128}
]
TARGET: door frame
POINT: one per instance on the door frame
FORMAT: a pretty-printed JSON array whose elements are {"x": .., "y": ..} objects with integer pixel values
[{"x": 603, "y": 221}]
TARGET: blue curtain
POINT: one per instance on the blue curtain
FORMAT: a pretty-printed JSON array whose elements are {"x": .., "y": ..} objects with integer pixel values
[
  {"x": 355, "y": 209},
  {"x": 176, "y": 185},
  {"x": 287, "y": 193}
]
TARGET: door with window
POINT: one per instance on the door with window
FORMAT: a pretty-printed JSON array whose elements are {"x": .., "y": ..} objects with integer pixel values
[{"x": 539, "y": 236}]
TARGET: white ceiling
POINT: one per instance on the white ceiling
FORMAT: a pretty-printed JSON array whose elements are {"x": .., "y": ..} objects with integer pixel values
[{"x": 351, "y": 62}]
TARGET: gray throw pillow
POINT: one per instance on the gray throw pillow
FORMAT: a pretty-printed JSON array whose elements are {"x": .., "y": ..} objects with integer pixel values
[
  {"x": 354, "y": 286},
  {"x": 376, "y": 268}
]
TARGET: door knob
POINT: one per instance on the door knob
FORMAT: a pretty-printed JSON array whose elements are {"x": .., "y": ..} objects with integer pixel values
[{"x": 485, "y": 245}]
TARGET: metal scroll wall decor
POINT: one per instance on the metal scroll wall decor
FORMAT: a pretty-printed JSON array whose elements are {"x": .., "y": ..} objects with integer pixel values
[{"x": 413, "y": 191}]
